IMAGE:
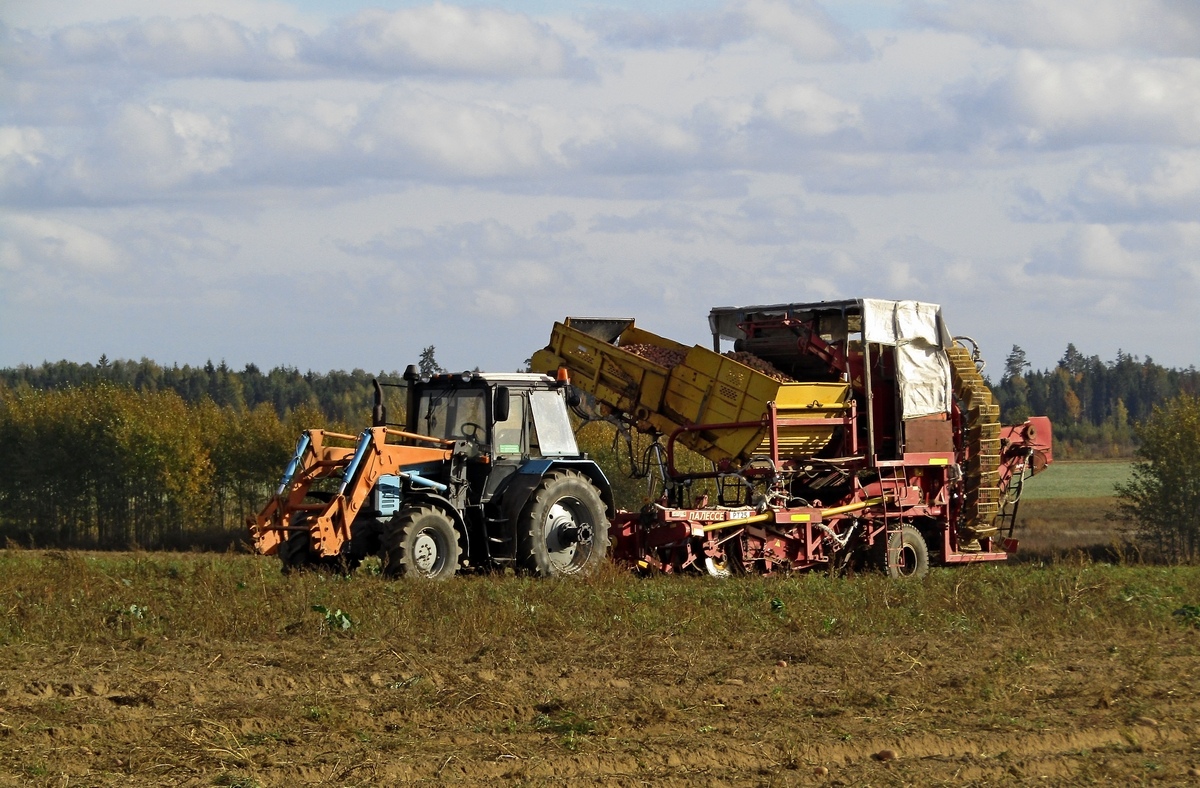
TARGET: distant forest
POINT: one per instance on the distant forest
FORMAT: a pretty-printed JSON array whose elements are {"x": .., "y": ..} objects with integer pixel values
[
  {"x": 1093, "y": 404},
  {"x": 344, "y": 398}
]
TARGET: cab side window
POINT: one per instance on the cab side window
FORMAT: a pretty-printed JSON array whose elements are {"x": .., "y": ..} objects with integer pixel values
[{"x": 509, "y": 434}]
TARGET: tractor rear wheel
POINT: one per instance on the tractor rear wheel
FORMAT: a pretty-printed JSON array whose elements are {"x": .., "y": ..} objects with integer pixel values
[
  {"x": 564, "y": 528},
  {"x": 421, "y": 542},
  {"x": 907, "y": 553}
]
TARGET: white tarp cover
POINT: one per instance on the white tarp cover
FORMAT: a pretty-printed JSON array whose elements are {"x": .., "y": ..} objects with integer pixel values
[{"x": 920, "y": 337}]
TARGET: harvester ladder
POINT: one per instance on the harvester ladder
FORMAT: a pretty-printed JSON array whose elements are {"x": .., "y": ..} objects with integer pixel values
[
  {"x": 892, "y": 479},
  {"x": 981, "y": 476},
  {"x": 1006, "y": 520}
]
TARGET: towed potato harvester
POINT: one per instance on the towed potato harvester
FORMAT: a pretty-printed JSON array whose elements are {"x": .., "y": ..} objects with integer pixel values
[{"x": 858, "y": 431}]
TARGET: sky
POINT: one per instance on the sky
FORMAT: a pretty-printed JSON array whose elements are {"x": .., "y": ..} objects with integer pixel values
[{"x": 290, "y": 183}]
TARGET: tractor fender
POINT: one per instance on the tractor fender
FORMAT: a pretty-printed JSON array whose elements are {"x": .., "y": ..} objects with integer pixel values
[{"x": 527, "y": 478}]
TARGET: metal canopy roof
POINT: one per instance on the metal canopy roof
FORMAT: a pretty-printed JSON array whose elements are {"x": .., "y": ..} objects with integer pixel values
[{"x": 724, "y": 320}]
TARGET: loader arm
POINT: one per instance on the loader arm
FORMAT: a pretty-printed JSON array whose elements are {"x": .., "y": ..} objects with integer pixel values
[
  {"x": 360, "y": 468},
  {"x": 313, "y": 459},
  {"x": 373, "y": 457}
]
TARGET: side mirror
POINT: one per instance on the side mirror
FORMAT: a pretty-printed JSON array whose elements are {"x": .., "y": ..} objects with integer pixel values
[{"x": 500, "y": 405}]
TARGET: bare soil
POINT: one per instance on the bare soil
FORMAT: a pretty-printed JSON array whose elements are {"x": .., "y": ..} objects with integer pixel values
[{"x": 977, "y": 676}]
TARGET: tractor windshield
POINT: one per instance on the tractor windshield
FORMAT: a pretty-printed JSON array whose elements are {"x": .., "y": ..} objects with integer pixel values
[
  {"x": 454, "y": 414},
  {"x": 554, "y": 434}
]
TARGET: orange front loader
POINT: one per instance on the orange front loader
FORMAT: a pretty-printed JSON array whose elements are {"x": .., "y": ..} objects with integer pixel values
[{"x": 317, "y": 525}]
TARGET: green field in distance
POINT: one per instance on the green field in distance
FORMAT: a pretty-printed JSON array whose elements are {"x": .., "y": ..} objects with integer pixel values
[{"x": 1077, "y": 480}]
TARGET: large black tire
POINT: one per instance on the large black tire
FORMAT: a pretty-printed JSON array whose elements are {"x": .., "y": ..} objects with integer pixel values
[
  {"x": 294, "y": 553},
  {"x": 907, "y": 554},
  {"x": 564, "y": 528},
  {"x": 421, "y": 542}
]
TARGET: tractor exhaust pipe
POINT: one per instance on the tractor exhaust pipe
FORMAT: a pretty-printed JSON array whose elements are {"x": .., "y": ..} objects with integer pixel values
[{"x": 378, "y": 412}]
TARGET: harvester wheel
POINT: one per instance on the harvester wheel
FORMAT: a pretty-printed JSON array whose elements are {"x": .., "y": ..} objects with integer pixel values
[
  {"x": 564, "y": 529},
  {"x": 728, "y": 562},
  {"x": 907, "y": 553},
  {"x": 421, "y": 542}
]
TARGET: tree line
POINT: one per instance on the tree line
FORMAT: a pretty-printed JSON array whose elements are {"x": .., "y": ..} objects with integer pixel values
[
  {"x": 1094, "y": 405},
  {"x": 105, "y": 465},
  {"x": 342, "y": 397}
]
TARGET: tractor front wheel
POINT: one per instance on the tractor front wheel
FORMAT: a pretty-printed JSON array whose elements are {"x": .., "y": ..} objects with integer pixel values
[
  {"x": 421, "y": 542},
  {"x": 294, "y": 553},
  {"x": 564, "y": 529}
]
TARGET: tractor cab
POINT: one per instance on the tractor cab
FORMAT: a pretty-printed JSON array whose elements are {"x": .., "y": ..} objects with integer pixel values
[{"x": 506, "y": 417}]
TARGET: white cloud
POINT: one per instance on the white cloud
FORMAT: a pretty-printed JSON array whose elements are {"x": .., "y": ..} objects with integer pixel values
[
  {"x": 557, "y": 222},
  {"x": 807, "y": 110},
  {"x": 1162, "y": 186},
  {"x": 1167, "y": 27},
  {"x": 26, "y": 144},
  {"x": 418, "y": 133},
  {"x": 205, "y": 45},
  {"x": 64, "y": 13},
  {"x": 1094, "y": 251},
  {"x": 156, "y": 147},
  {"x": 522, "y": 166},
  {"x": 440, "y": 40},
  {"x": 321, "y": 129},
  {"x": 182, "y": 249},
  {"x": 757, "y": 221},
  {"x": 630, "y": 139},
  {"x": 1047, "y": 102},
  {"x": 170, "y": 46},
  {"x": 802, "y": 26},
  {"x": 484, "y": 241},
  {"x": 21, "y": 156},
  {"x": 56, "y": 247},
  {"x": 446, "y": 39}
]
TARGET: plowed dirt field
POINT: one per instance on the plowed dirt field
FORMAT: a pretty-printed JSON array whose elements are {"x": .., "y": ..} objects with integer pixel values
[{"x": 213, "y": 670}]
